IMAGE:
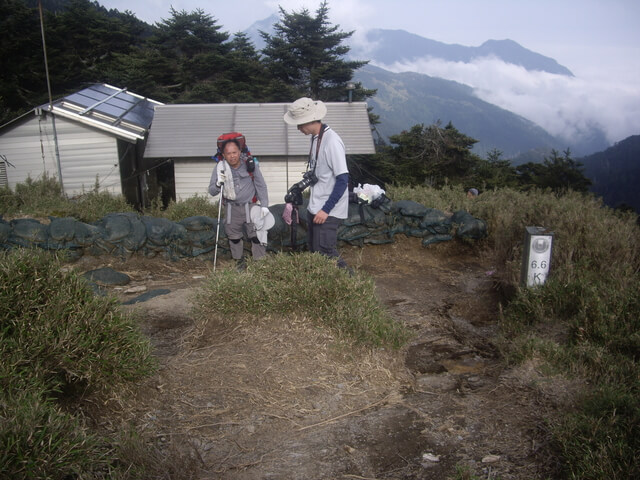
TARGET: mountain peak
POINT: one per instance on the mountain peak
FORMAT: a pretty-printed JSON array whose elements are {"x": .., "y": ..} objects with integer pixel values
[
  {"x": 512, "y": 52},
  {"x": 387, "y": 47}
]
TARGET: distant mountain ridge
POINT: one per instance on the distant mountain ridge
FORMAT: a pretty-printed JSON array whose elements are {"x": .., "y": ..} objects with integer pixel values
[
  {"x": 407, "y": 99},
  {"x": 387, "y": 47},
  {"x": 615, "y": 173}
]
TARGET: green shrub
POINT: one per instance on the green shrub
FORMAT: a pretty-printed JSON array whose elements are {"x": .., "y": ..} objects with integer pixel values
[
  {"x": 304, "y": 284},
  {"x": 58, "y": 342},
  {"x": 39, "y": 440},
  {"x": 94, "y": 205},
  {"x": 9, "y": 201},
  {"x": 197, "y": 205},
  {"x": 601, "y": 439},
  {"x": 449, "y": 198},
  {"x": 55, "y": 328},
  {"x": 44, "y": 197},
  {"x": 34, "y": 197}
]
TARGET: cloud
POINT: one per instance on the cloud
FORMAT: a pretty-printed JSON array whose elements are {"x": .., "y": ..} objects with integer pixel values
[{"x": 567, "y": 107}]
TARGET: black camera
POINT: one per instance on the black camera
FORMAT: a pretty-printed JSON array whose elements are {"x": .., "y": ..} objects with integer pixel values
[{"x": 294, "y": 194}]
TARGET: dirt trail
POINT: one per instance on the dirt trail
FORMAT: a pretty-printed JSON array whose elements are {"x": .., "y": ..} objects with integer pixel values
[{"x": 282, "y": 399}]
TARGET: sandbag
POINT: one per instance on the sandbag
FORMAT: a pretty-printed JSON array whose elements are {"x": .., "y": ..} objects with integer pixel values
[
  {"x": 409, "y": 208},
  {"x": 469, "y": 226},
  {"x": 198, "y": 223}
]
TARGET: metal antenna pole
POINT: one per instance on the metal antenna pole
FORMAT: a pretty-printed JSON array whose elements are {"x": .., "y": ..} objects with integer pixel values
[{"x": 53, "y": 117}]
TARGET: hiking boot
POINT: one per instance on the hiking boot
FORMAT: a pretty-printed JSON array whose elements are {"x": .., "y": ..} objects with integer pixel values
[{"x": 241, "y": 265}]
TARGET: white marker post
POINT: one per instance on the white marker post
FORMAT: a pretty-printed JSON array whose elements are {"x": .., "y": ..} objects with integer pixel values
[{"x": 536, "y": 256}]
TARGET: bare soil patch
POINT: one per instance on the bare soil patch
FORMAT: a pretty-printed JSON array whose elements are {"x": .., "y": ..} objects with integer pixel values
[{"x": 283, "y": 398}]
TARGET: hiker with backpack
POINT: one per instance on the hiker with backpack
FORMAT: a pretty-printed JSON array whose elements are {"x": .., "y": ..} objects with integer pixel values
[
  {"x": 240, "y": 183},
  {"x": 326, "y": 174}
]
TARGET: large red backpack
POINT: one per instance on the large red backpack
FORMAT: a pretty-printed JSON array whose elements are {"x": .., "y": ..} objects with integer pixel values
[{"x": 242, "y": 142}]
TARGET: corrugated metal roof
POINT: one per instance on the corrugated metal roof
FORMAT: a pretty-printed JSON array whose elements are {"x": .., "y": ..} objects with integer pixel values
[
  {"x": 186, "y": 131},
  {"x": 108, "y": 108}
]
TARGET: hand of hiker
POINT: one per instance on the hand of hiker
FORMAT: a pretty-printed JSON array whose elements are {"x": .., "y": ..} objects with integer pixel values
[
  {"x": 320, "y": 217},
  {"x": 222, "y": 178}
]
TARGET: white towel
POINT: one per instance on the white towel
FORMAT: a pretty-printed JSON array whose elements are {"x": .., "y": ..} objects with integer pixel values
[{"x": 228, "y": 191}]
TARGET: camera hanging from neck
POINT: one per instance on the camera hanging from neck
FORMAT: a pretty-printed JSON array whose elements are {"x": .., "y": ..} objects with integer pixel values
[{"x": 309, "y": 178}]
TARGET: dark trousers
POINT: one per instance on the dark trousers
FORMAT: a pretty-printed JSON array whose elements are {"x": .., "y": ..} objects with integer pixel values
[{"x": 323, "y": 238}]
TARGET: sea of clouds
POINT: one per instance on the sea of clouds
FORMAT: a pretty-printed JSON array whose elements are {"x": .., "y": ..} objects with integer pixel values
[{"x": 570, "y": 108}]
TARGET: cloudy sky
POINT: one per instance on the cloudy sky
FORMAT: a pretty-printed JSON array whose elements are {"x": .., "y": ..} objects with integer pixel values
[{"x": 598, "y": 40}]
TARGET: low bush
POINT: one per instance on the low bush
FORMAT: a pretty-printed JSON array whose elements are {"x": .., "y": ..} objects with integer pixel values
[
  {"x": 43, "y": 198},
  {"x": 307, "y": 285},
  {"x": 39, "y": 440},
  {"x": 58, "y": 342},
  {"x": 55, "y": 328},
  {"x": 592, "y": 302},
  {"x": 196, "y": 205}
]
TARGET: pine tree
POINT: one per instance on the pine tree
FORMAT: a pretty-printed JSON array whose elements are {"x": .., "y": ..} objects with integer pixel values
[
  {"x": 428, "y": 155},
  {"x": 559, "y": 173},
  {"x": 23, "y": 75},
  {"x": 494, "y": 172},
  {"x": 306, "y": 53}
]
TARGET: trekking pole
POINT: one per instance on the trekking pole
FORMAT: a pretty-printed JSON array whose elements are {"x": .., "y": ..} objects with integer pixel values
[
  {"x": 294, "y": 228},
  {"x": 215, "y": 254}
]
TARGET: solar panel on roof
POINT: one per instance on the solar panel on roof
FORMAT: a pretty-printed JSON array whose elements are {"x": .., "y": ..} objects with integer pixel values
[{"x": 110, "y": 106}]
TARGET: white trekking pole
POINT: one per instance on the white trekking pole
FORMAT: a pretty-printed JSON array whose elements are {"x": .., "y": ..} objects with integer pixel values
[{"x": 215, "y": 254}]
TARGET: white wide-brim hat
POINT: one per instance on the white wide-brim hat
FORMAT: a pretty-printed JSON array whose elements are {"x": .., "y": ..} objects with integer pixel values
[
  {"x": 305, "y": 110},
  {"x": 261, "y": 223}
]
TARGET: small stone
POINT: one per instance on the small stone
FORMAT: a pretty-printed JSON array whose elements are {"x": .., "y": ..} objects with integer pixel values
[
  {"x": 138, "y": 289},
  {"x": 491, "y": 459},
  {"x": 107, "y": 276},
  {"x": 430, "y": 457}
]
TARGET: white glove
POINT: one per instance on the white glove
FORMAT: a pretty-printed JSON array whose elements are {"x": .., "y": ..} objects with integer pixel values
[
  {"x": 264, "y": 211},
  {"x": 222, "y": 178}
]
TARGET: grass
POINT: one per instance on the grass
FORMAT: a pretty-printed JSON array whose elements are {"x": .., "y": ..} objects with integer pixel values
[
  {"x": 592, "y": 297},
  {"x": 583, "y": 323},
  {"x": 43, "y": 198},
  {"x": 307, "y": 285},
  {"x": 176, "y": 211},
  {"x": 448, "y": 199},
  {"x": 58, "y": 343}
]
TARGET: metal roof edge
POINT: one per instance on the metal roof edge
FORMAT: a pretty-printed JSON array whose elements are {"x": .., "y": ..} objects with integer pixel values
[
  {"x": 17, "y": 119},
  {"x": 126, "y": 135}
]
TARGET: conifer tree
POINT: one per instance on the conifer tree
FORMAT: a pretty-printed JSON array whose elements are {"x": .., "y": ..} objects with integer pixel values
[
  {"x": 307, "y": 53},
  {"x": 429, "y": 155},
  {"x": 559, "y": 173}
]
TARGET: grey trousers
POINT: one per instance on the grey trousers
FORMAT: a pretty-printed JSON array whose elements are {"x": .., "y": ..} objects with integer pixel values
[{"x": 237, "y": 224}]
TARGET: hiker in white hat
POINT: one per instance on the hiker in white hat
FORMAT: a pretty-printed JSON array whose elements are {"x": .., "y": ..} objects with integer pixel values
[{"x": 327, "y": 167}]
